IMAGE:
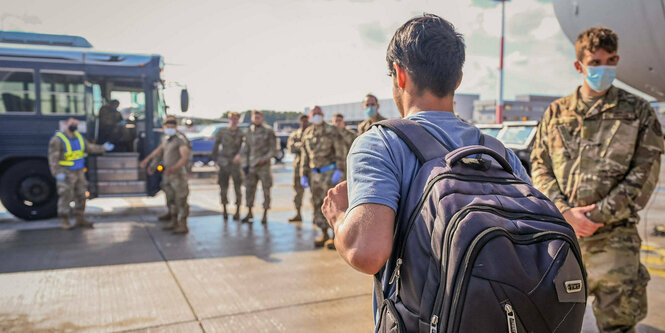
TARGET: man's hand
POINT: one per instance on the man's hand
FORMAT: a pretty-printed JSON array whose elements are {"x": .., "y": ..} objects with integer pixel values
[
  {"x": 336, "y": 203},
  {"x": 61, "y": 177},
  {"x": 576, "y": 217},
  {"x": 144, "y": 164},
  {"x": 236, "y": 159},
  {"x": 304, "y": 181}
]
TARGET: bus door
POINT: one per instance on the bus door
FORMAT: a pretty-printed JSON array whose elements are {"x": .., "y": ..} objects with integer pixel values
[{"x": 119, "y": 107}]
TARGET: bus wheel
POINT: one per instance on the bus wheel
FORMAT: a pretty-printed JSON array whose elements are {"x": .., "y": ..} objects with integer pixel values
[{"x": 28, "y": 190}]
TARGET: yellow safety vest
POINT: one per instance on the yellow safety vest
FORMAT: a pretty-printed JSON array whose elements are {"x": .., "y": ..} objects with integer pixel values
[{"x": 72, "y": 156}]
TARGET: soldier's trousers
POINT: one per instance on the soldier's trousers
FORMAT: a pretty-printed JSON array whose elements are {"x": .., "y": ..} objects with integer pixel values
[
  {"x": 319, "y": 184},
  {"x": 73, "y": 188},
  {"x": 176, "y": 188},
  {"x": 232, "y": 170},
  {"x": 300, "y": 191},
  {"x": 616, "y": 278},
  {"x": 260, "y": 173}
]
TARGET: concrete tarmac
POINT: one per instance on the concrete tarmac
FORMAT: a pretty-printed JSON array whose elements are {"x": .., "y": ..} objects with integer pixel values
[{"x": 127, "y": 274}]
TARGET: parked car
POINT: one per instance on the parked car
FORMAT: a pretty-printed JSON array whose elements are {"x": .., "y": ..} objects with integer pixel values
[
  {"x": 490, "y": 129},
  {"x": 520, "y": 136},
  {"x": 203, "y": 142}
]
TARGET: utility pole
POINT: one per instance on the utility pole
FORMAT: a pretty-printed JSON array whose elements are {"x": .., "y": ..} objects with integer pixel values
[{"x": 499, "y": 104}]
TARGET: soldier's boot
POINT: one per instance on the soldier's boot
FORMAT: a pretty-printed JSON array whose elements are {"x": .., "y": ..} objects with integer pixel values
[
  {"x": 172, "y": 225},
  {"x": 330, "y": 244},
  {"x": 236, "y": 216},
  {"x": 264, "y": 219},
  {"x": 249, "y": 218},
  {"x": 64, "y": 222},
  {"x": 181, "y": 227},
  {"x": 225, "y": 214},
  {"x": 297, "y": 217},
  {"x": 82, "y": 222},
  {"x": 319, "y": 242},
  {"x": 166, "y": 217}
]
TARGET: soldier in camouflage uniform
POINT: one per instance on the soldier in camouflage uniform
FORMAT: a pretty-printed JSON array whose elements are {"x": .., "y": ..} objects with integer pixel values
[
  {"x": 371, "y": 107},
  {"x": 173, "y": 153},
  {"x": 66, "y": 157},
  {"x": 323, "y": 157},
  {"x": 294, "y": 145},
  {"x": 258, "y": 149},
  {"x": 229, "y": 140},
  {"x": 347, "y": 135},
  {"x": 597, "y": 157}
]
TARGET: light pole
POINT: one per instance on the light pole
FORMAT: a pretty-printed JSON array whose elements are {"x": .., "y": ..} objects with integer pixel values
[{"x": 499, "y": 104}]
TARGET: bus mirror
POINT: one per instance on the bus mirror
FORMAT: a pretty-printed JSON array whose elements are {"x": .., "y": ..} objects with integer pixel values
[{"x": 184, "y": 100}]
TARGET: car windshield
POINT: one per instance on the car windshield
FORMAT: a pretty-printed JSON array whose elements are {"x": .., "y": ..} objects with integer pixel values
[
  {"x": 209, "y": 130},
  {"x": 517, "y": 135},
  {"x": 491, "y": 131}
]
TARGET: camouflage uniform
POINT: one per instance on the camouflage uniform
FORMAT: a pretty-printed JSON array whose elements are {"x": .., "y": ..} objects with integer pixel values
[
  {"x": 348, "y": 136},
  {"x": 365, "y": 125},
  {"x": 75, "y": 185},
  {"x": 175, "y": 185},
  {"x": 260, "y": 143},
  {"x": 609, "y": 155},
  {"x": 294, "y": 145},
  {"x": 322, "y": 146},
  {"x": 230, "y": 141}
]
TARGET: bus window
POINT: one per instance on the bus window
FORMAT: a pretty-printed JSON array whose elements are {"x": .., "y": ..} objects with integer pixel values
[
  {"x": 159, "y": 112},
  {"x": 62, "y": 93},
  {"x": 17, "y": 88},
  {"x": 130, "y": 103}
]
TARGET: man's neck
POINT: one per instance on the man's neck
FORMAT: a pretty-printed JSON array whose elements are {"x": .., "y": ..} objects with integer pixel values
[
  {"x": 586, "y": 91},
  {"x": 69, "y": 133},
  {"x": 427, "y": 102},
  {"x": 233, "y": 128},
  {"x": 376, "y": 117}
]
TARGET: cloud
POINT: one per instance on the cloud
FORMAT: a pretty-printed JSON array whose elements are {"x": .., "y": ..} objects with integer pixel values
[
  {"x": 373, "y": 33},
  {"x": 548, "y": 27}
]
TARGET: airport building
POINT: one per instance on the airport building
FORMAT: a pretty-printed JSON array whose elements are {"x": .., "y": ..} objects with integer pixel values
[
  {"x": 524, "y": 107},
  {"x": 464, "y": 104}
]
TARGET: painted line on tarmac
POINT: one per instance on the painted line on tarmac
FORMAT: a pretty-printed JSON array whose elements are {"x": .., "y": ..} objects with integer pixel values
[{"x": 654, "y": 259}]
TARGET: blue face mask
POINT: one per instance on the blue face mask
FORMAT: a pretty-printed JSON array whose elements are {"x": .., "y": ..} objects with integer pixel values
[
  {"x": 600, "y": 78},
  {"x": 370, "y": 111}
]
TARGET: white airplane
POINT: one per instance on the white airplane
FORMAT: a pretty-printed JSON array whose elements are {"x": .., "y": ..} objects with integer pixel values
[{"x": 640, "y": 25}]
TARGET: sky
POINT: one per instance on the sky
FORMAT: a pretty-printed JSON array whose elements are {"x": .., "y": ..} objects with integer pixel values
[{"x": 290, "y": 54}]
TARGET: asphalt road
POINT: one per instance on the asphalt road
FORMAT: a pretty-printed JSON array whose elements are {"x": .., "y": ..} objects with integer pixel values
[{"x": 127, "y": 274}]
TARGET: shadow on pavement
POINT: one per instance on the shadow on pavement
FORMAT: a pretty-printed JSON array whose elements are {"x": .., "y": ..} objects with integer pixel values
[{"x": 115, "y": 243}]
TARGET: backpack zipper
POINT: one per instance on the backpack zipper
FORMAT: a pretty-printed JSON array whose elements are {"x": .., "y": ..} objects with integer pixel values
[
  {"x": 480, "y": 179},
  {"x": 510, "y": 318},
  {"x": 475, "y": 247}
]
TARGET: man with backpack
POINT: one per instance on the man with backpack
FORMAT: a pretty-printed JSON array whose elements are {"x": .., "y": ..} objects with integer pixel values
[
  {"x": 408, "y": 182},
  {"x": 597, "y": 156}
]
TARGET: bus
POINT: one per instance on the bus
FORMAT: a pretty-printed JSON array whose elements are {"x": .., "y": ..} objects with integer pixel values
[{"x": 46, "y": 79}]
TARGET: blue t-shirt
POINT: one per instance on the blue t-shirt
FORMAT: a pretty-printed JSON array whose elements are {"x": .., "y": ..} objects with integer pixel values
[{"x": 380, "y": 166}]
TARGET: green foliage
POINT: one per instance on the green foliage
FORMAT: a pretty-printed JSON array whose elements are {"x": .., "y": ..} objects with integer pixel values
[{"x": 269, "y": 116}]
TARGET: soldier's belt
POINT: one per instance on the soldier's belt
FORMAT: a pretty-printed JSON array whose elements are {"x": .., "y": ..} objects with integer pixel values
[{"x": 326, "y": 168}]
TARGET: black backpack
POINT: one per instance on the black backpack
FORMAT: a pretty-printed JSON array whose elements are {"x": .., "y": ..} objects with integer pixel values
[{"x": 477, "y": 249}]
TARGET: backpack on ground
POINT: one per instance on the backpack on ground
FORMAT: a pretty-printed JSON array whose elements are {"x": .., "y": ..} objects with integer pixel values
[{"x": 476, "y": 249}]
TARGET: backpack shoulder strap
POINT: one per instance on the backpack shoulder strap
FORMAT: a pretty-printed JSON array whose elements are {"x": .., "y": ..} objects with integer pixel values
[{"x": 423, "y": 144}]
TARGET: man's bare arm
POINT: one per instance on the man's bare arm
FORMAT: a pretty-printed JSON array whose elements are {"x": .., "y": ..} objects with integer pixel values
[{"x": 364, "y": 236}]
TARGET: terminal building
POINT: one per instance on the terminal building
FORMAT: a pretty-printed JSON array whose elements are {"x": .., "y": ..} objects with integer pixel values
[
  {"x": 524, "y": 107},
  {"x": 464, "y": 104}
]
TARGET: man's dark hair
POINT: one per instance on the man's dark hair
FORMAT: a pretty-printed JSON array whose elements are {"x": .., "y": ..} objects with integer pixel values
[
  {"x": 596, "y": 38},
  {"x": 430, "y": 50},
  {"x": 302, "y": 116},
  {"x": 338, "y": 115}
]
